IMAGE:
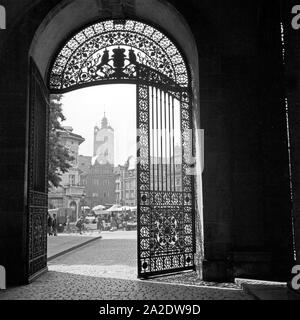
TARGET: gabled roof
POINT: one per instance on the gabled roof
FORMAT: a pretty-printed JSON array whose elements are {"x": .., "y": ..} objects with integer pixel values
[{"x": 67, "y": 133}]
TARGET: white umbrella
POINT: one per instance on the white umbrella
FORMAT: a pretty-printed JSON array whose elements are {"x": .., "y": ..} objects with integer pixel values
[
  {"x": 99, "y": 207},
  {"x": 53, "y": 210},
  {"x": 85, "y": 208},
  {"x": 99, "y": 210},
  {"x": 114, "y": 208},
  {"x": 98, "y": 213}
]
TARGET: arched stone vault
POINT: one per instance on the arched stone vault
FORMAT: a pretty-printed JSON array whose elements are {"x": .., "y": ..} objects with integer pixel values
[
  {"x": 238, "y": 68},
  {"x": 70, "y": 16}
]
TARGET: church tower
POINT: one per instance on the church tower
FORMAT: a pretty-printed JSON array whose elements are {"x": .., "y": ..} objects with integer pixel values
[{"x": 104, "y": 143}]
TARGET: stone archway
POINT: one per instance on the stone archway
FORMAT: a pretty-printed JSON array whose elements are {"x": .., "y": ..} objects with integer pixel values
[
  {"x": 40, "y": 56},
  {"x": 245, "y": 183}
]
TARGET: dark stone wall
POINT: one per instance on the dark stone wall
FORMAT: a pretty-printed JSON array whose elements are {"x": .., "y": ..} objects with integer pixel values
[
  {"x": 292, "y": 71},
  {"x": 22, "y": 21},
  {"x": 247, "y": 227},
  {"x": 246, "y": 195},
  {"x": 276, "y": 217}
]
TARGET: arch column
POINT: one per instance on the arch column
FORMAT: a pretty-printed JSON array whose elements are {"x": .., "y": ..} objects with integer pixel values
[{"x": 292, "y": 68}]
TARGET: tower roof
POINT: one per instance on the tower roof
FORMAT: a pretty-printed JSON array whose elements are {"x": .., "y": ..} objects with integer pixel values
[{"x": 104, "y": 122}]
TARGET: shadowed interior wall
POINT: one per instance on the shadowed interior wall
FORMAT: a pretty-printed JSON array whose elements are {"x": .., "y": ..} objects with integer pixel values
[{"x": 292, "y": 69}]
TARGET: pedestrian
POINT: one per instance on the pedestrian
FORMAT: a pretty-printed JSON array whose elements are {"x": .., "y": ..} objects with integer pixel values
[
  {"x": 79, "y": 224},
  {"x": 54, "y": 225},
  {"x": 99, "y": 224},
  {"x": 68, "y": 226},
  {"x": 49, "y": 224}
]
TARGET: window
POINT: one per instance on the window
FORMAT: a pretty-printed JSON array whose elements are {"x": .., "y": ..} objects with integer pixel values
[
  {"x": 72, "y": 179},
  {"x": 56, "y": 203},
  {"x": 83, "y": 181}
]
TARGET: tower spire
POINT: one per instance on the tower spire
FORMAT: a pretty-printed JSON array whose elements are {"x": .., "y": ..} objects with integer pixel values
[{"x": 104, "y": 122}]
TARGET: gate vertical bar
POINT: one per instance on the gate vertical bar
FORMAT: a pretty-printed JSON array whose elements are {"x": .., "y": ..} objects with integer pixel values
[
  {"x": 188, "y": 171},
  {"x": 143, "y": 178}
]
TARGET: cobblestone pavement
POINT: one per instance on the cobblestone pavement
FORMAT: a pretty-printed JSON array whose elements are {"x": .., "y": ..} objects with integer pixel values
[
  {"x": 66, "y": 286},
  {"x": 191, "y": 278},
  {"x": 268, "y": 290},
  {"x": 106, "y": 269}
]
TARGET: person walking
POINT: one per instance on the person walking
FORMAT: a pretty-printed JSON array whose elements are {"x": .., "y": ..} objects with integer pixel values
[
  {"x": 99, "y": 224},
  {"x": 79, "y": 224},
  {"x": 49, "y": 224},
  {"x": 68, "y": 226},
  {"x": 54, "y": 225}
]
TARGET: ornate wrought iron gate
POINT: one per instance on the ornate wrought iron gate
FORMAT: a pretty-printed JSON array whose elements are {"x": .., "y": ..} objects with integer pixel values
[
  {"x": 129, "y": 51},
  {"x": 37, "y": 198},
  {"x": 166, "y": 230}
]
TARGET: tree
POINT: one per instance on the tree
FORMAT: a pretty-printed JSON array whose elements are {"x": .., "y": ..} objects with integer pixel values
[{"x": 59, "y": 156}]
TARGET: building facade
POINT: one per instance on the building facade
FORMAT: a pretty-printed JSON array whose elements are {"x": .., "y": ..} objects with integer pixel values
[
  {"x": 100, "y": 185},
  {"x": 98, "y": 172},
  {"x": 125, "y": 183},
  {"x": 69, "y": 193},
  {"x": 84, "y": 165}
]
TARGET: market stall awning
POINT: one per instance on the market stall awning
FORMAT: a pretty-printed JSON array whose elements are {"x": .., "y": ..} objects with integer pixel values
[
  {"x": 53, "y": 210},
  {"x": 98, "y": 208},
  {"x": 114, "y": 208}
]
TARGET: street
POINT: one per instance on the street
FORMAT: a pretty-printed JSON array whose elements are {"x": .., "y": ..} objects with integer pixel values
[
  {"x": 106, "y": 269},
  {"x": 113, "y": 256}
]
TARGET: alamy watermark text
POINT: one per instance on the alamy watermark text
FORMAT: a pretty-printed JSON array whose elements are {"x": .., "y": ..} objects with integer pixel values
[{"x": 2, "y": 18}]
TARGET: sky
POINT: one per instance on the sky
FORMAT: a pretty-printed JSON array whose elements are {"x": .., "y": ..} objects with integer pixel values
[{"x": 84, "y": 108}]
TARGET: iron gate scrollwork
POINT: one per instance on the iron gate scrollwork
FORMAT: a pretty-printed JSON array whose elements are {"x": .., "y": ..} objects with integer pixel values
[
  {"x": 129, "y": 51},
  {"x": 166, "y": 226},
  {"x": 110, "y": 50},
  {"x": 37, "y": 202}
]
